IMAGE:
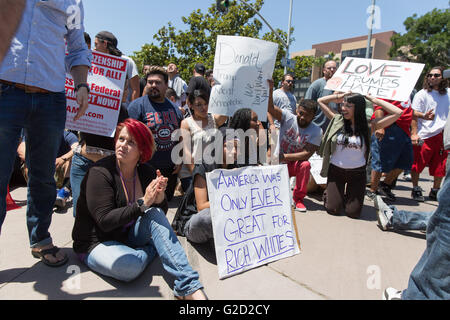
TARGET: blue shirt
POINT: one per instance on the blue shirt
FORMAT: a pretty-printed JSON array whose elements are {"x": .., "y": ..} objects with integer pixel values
[
  {"x": 162, "y": 119},
  {"x": 37, "y": 55}
]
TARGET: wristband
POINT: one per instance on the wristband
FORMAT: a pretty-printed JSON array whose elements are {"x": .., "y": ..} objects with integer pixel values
[{"x": 85, "y": 85}]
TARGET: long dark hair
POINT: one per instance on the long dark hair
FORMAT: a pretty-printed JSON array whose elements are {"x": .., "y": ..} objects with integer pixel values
[
  {"x": 442, "y": 86},
  {"x": 361, "y": 125}
]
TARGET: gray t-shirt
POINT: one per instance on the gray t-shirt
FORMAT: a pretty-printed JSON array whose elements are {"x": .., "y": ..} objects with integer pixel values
[
  {"x": 292, "y": 138},
  {"x": 285, "y": 101},
  {"x": 315, "y": 91}
]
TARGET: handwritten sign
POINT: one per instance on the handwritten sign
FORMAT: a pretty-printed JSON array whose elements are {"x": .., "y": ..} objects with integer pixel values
[
  {"x": 392, "y": 80},
  {"x": 106, "y": 80},
  {"x": 316, "y": 166},
  {"x": 252, "y": 217},
  {"x": 241, "y": 69}
]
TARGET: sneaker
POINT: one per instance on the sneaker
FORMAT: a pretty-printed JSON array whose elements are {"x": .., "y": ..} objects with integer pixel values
[
  {"x": 300, "y": 207},
  {"x": 62, "y": 197},
  {"x": 371, "y": 195},
  {"x": 417, "y": 195},
  {"x": 407, "y": 176},
  {"x": 392, "y": 294},
  {"x": 384, "y": 214},
  {"x": 385, "y": 191},
  {"x": 433, "y": 194}
]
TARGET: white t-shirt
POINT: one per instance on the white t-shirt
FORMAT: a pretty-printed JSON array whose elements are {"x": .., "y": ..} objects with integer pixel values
[
  {"x": 292, "y": 138},
  {"x": 440, "y": 103},
  {"x": 349, "y": 156}
]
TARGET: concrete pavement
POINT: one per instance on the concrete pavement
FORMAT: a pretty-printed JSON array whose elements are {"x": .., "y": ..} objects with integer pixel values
[{"x": 341, "y": 258}]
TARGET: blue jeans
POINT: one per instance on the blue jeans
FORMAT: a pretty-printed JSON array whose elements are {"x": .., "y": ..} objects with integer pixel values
[
  {"x": 79, "y": 167},
  {"x": 430, "y": 278},
  {"x": 410, "y": 220},
  {"x": 43, "y": 117},
  {"x": 151, "y": 235}
]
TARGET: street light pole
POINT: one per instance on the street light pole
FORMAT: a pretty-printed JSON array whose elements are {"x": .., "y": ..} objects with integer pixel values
[
  {"x": 288, "y": 35},
  {"x": 369, "y": 37}
]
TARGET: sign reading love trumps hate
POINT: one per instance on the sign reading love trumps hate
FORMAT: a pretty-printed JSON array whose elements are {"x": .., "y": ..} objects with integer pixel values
[
  {"x": 241, "y": 68},
  {"x": 251, "y": 216},
  {"x": 106, "y": 80},
  {"x": 385, "y": 79}
]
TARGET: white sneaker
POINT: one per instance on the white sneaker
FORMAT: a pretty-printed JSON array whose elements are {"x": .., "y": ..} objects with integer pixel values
[
  {"x": 392, "y": 294},
  {"x": 384, "y": 213}
]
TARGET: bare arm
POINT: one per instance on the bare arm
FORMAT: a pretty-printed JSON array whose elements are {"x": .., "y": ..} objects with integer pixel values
[
  {"x": 324, "y": 101},
  {"x": 10, "y": 17},
  {"x": 394, "y": 113},
  {"x": 186, "y": 141},
  {"x": 220, "y": 119},
  {"x": 79, "y": 74},
  {"x": 135, "y": 90},
  {"x": 201, "y": 193},
  {"x": 273, "y": 110},
  {"x": 300, "y": 156},
  {"x": 414, "y": 136}
]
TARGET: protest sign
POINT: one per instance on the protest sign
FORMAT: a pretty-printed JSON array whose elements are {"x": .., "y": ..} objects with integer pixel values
[
  {"x": 252, "y": 217},
  {"x": 241, "y": 69},
  {"x": 316, "y": 166},
  {"x": 385, "y": 79},
  {"x": 106, "y": 79}
]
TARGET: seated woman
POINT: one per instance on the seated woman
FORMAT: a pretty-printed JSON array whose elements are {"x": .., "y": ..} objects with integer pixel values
[
  {"x": 345, "y": 148},
  {"x": 120, "y": 226}
]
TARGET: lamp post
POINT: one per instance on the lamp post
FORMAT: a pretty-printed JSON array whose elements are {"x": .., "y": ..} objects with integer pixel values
[{"x": 369, "y": 37}]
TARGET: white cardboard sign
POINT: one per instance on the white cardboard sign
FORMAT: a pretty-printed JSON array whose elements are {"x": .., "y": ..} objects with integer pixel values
[
  {"x": 252, "y": 217},
  {"x": 241, "y": 68},
  {"x": 106, "y": 79},
  {"x": 393, "y": 80}
]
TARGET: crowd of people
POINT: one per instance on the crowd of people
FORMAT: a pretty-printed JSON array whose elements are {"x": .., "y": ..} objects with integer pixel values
[{"x": 121, "y": 186}]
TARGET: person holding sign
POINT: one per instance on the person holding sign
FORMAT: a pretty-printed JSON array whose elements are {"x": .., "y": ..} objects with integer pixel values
[
  {"x": 32, "y": 97},
  {"x": 345, "y": 149},
  {"x": 121, "y": 225},
  {"x": 193, "y": 217},
  {"x": 298, "y": 140}
]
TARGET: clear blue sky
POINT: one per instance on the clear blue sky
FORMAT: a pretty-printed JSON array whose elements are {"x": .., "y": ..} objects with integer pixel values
[{"x": 134, "y": 22}]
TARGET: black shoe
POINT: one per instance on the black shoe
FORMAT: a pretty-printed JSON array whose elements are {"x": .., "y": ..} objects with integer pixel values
[
  {"x": 417, "y": 195},
  {"x": 433, "y": 194},
  {"x": 371, "y": 195},
  {"x": 384, "y": 190}
]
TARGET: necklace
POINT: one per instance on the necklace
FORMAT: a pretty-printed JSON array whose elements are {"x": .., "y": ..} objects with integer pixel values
[{"x": 130, "y": 200}]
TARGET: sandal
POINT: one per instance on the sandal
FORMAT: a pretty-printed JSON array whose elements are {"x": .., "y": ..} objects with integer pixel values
[{"x": 41, "y": 255}]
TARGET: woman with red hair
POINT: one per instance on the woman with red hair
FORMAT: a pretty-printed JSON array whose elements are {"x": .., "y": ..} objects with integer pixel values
[{"x": 120, "y": 224}]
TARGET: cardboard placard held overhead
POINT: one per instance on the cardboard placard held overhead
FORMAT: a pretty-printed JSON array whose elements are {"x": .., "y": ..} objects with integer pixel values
[
  {"x": 252, "y": 217},
  {"x": 393, "y": 80},
  {"x": 241, "y": 68}
]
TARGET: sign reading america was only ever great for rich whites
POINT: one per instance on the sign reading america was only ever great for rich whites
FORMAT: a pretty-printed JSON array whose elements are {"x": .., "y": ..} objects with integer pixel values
[{"x": 252, "y": 217}]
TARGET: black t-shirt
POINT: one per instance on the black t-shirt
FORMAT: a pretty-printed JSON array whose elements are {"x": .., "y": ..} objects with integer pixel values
[
  {"x": 198, "y": 83},
  {"x": 188, "y": 206}
]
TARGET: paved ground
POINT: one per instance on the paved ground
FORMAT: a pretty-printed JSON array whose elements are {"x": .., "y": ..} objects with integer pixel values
[{"x": 341, "y": 258}]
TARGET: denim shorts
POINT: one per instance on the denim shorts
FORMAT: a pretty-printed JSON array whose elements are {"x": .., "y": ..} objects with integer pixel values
[{"x": 394, "y": 151}]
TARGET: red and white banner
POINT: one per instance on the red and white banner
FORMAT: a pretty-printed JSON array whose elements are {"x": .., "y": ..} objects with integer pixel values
[{"x": 106, "y": 81}]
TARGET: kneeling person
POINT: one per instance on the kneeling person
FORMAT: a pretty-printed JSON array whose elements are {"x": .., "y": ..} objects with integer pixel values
[{"x": 299, "y": 139}]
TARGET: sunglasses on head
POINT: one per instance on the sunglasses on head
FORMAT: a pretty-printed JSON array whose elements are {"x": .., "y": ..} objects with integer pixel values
[{"x": 436, "y": 75}]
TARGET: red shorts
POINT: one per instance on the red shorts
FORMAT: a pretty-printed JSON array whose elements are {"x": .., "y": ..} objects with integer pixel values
[{"x": 431, "y": 154}]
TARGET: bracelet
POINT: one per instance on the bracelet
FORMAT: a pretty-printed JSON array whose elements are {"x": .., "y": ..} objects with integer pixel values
[{"x": 85, "y": 85}]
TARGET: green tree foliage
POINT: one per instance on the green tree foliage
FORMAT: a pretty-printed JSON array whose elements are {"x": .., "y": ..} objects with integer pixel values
[
  {"x": 197, "y": 43},
  {"x": 427, "y": 39}
]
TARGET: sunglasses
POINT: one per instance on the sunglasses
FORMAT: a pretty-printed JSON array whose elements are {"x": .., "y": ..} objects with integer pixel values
[
  {"x": 289, "y": 81},
  {"x": 435, "y": 75}
]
